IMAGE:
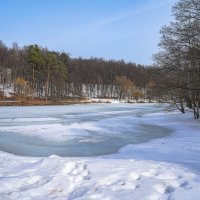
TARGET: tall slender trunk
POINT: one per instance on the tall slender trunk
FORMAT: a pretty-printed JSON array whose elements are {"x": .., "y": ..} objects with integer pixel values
[
  {"x": 47, "y": 84},
  {"x": 33, "y": 81}
]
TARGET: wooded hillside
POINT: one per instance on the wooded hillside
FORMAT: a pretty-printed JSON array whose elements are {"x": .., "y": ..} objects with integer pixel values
[{"x": 34, "y": 71}]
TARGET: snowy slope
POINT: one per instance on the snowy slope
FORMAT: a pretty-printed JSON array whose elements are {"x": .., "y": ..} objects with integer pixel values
[{"x": 7, "y": 90}]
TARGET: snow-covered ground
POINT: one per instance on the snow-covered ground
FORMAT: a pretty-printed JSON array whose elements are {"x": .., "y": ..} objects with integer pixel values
[
  {"x": 164, "y": 168},
  {"x": 112, "y": 100},
  {"x": 7, "y": 90}
]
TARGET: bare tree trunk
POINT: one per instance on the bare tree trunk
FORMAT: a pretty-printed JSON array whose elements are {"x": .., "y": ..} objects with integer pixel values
[{"x": 47, "y": 84}]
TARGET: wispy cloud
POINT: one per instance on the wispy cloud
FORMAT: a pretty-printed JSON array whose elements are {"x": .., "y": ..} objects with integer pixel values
[{"x": 102, "y": 23}]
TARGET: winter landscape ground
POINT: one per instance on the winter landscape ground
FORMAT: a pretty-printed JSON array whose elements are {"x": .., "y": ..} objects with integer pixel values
[{"x": 104, "y": 151}]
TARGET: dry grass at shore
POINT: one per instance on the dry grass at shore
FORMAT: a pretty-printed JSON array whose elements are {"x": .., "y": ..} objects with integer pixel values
[{"x": 40, "y": 102}]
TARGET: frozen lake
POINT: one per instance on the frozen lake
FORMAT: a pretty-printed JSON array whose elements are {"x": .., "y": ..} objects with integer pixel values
[{"x": 76, "y": 130}]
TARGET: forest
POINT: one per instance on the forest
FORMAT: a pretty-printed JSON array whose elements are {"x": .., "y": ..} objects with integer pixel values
[{"x": 37, "y": 72}]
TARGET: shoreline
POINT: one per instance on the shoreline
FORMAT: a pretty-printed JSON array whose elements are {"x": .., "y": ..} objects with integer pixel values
[
  {"x": 64, "y": 102},
  {"x": 39, "y": 103}
]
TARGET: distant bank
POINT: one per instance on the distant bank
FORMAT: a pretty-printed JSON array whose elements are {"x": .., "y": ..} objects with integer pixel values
[{"x": 41, "y": 102}]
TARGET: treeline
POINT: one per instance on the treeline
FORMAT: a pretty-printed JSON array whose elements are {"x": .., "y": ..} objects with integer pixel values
[
  {"x": 34, "y": 71},
  {"x": 179, "y": 58}
]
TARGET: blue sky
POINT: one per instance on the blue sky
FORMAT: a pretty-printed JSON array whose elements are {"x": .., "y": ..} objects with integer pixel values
[{"x": 112, "y": 29}]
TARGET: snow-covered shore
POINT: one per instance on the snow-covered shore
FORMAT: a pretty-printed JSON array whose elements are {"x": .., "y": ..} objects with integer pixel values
[{"x": 166, "y": 168}]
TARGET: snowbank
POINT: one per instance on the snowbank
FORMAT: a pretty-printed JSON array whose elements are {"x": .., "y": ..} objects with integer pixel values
[{"x": 84, "y": 179}]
